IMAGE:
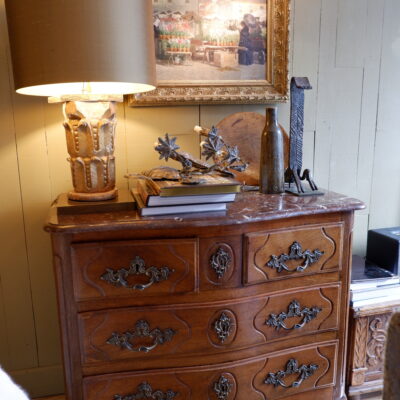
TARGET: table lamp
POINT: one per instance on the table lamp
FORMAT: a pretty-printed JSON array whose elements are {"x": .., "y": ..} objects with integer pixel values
[{"x": 86, "y": 54}]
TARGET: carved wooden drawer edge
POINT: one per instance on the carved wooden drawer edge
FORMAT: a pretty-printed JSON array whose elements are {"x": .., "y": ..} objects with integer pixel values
[
  {"x": 277, "y": 254},
  {"x": 153, "y": 334},
  {"x": 275, "y": 376}
]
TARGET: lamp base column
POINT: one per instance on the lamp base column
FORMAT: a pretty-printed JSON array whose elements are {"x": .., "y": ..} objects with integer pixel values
[
  {"x": 76, "y": 196},
  {"x": 90, "y": 132}
]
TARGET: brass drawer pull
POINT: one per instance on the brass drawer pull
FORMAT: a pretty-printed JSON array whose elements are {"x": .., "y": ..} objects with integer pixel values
[
  {"x": 145, "y": 391},
  {"x": 142, "y": 330},
  {"x": 295, "y": 253},
  {"x": 292, "y": 367},
  {"x": 119, "y": 277},
  {"x": 294, "y": 310}
]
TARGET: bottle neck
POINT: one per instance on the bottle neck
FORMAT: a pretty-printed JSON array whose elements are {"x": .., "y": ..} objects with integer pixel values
[{"x": 272, "y": 116}]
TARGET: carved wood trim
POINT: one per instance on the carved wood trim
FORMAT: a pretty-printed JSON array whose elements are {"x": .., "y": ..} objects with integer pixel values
[
  {"x": 360, "y": 348},
  {"x": 376, "y": 342}
]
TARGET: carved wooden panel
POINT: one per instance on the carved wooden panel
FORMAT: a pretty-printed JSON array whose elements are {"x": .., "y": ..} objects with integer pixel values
[
  {"x": 133, "y": 268},
  {"x": 297, "y": 371},
  {"x": 234, "y": 380},
  {"x": 222, "y": 327},
  {"x": 288, "y": 253},
  {"x": 220, "y": 262},
  {"x": 368, "y": 348},
  {"x": 298, "y": 313},
  {"x": 375, "y": 352},
  {"x": 359, "y": 351}
]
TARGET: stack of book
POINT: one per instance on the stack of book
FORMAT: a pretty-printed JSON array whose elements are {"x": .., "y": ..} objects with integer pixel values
[
  {"x": 171, "y": 197},
  {"x": 371, "y": 284}
]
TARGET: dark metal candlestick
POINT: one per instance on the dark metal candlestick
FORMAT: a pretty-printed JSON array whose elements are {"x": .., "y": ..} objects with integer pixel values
[{"x": 293, "y": 173}]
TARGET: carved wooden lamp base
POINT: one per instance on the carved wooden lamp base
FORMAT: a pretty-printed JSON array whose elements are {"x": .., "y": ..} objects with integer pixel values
[{"x": 90, "y": 131}]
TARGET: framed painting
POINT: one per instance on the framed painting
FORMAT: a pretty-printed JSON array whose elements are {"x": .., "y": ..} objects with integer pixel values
[{"x": 219, "y": 52}]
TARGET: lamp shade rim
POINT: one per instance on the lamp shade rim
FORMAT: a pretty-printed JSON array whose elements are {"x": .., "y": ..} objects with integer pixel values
[{"x": 84, "y": 89}]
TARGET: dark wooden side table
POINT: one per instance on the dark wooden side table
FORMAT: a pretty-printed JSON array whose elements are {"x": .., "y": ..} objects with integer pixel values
[
  {"x": 248, "y": 304},
  {"x": 367, "y": 339}
]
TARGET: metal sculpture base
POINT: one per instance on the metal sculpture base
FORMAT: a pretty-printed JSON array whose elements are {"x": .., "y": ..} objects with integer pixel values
[
  {"x": 307, "y": 192},
  {"x": 295, "y": 178}
]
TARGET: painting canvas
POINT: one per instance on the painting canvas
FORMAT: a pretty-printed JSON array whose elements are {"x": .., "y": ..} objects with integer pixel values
[
  {"x": 210, "y": 40},
  {"x": 226, "y": 51}
]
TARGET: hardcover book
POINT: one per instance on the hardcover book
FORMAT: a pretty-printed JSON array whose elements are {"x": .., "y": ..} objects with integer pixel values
[
  {"x": 213, "y": 184},
  {"x": 150, "y": 197},
  {"x": 175, "y": 209}
]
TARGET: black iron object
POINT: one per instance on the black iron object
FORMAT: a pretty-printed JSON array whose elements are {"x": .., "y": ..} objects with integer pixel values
[
  {"x": 292, "y": 367},
  {"x": 295, "y": 253},
  {"x": 145, "y": 391},
  {"x": 220, "y": 261},
  {"x": 142, "y": 330},
  {"x": 223, "y": 327},
  {"x": 223, "y": 388},
  {"x": 119, "y": 277},
  {"x": 294, "y": 310},
  {"x": 293, "y": 173}
]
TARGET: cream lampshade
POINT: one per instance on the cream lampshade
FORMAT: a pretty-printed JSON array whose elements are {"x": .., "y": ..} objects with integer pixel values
[{"x": 87, "y": 54}]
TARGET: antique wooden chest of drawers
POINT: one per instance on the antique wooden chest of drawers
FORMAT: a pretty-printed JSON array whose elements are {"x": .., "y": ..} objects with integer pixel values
[{"x": 249, "y": 305}]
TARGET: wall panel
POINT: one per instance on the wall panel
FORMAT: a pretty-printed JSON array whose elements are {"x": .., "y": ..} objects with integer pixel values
[{"x": 16, "y": 310}]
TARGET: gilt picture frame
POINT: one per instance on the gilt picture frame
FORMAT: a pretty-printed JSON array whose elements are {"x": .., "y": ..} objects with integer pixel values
[{"x": 208, "y": 55}]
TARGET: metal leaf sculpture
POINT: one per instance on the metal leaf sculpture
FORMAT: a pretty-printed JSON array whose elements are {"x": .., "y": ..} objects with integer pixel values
[
  {"x": 225, "y": 157},
  {"x": 167, "y": 147},
  {"x": 213, "y": 147}
]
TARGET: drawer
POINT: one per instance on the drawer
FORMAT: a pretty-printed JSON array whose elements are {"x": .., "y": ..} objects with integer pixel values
[
  {"x": 134, "y": 268},
  {"x": 153, "y": 335},
  {"x": 300, "y": 312},
  {"x": 289, "y": 374},
  {"x": 272, "y": 255}
]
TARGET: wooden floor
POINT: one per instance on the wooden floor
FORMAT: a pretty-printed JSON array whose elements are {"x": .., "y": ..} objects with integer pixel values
[
  {"x": 366, "y": 397},
  {"x": 51, "y": 398}
]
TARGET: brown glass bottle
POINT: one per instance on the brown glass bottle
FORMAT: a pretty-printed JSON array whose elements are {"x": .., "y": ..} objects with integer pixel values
[{"x": 272, "y": 159}]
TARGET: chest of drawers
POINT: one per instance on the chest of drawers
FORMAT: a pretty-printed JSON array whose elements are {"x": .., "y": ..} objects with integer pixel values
[{"x": 247, "y": 305}]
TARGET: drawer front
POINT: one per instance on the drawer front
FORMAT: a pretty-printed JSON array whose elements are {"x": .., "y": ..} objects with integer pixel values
[
  {"x": 153, "y": 335},
  {"x": 282, "y": 375},
  {"x": 301, "y": 312},
  {"x": 134, "y": 268},
  {"x": 290, "y": 253}
]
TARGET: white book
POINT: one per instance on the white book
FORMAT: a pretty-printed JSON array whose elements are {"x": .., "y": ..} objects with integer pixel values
[
  {"x": 179, "y": 209},
  {"x": 376, "y": 294},
  {"x": 374, "y": 283},
  {"x": 155, "y": 201},
  {"x": 368, "y": 302}
]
